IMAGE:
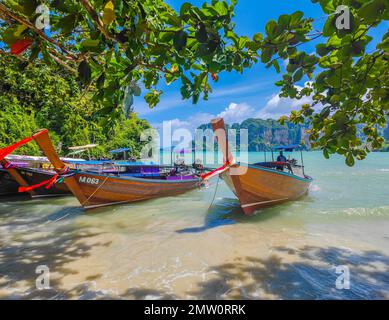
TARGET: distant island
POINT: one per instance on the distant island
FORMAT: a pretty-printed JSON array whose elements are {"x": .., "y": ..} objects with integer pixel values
[{"x": 264, "y": 134}]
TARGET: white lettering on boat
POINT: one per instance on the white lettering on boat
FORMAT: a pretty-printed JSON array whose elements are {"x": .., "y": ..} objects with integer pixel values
[{"x": 89, "y": 180}]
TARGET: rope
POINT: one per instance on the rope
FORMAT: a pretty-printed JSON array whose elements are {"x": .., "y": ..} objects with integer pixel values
[
  {"x": 8, "y": 165},
  {"x": 97, "y": 189},
  {"x": 57, "y": 178},
  {"x": 226, "y": 166},
  {"x": 214, "y": 195}
]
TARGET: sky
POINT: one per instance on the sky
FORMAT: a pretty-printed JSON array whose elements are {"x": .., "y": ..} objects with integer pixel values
[{"x": 235, "y": 96}]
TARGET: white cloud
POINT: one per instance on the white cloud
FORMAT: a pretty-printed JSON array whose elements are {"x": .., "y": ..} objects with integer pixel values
[
  {"x": 277, "y": 106},
  {"x": 235, "y": 113}
]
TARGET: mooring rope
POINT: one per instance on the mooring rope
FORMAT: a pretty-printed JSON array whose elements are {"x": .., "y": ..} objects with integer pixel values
[
  {"x": 97, "y": 189},
  {"x": 214, "y": 195}
]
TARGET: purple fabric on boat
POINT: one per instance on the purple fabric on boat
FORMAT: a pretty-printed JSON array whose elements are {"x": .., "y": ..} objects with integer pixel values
[
  {"x": 18, "y": 164},
  {"x": 175, "y": 178},
  {"x": 150, "y": 170}
]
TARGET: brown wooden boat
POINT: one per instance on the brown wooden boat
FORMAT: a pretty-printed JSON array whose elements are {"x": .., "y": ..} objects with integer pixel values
[
  {"x": 12, "y": 177},
  {"x": 96, "y": 190},
  {"x": 262, "y": 184},
  {"x": 8, "y": 185}
]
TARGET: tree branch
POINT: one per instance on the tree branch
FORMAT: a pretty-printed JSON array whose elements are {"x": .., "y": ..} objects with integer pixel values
[
  {"x": 5, "y": 11},
  {"x": 95, "y": 17}
]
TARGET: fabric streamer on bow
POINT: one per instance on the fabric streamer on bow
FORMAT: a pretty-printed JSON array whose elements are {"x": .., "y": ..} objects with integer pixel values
[
  {"x": 216, "y": 172},
  {"x": 48, "y": 183}
]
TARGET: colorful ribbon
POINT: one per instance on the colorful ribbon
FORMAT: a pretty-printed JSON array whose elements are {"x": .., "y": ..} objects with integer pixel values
[{"x": 209, "y": 175}]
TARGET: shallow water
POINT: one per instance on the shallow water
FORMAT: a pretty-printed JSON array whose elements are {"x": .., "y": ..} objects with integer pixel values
[{"x": 184, "y": 247}]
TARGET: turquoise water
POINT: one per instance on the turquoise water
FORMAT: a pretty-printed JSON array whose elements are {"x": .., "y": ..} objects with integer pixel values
[{"x": 193, "y": 247}]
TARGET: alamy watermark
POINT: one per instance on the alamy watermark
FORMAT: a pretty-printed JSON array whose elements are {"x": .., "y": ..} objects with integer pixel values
[
  {"x": 343, "y": 280},
  {"x": 167, "y": 146},
  {"x": 42, "y": 282},
  {"x": 43, "y": 20},
  {"x": 343, "y": 19}
]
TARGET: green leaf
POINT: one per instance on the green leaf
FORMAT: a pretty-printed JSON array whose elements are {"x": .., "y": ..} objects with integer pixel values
[
  {"x": 201, "y": 34},
  {"x": 276, "y": 66},
  {"x": 100, "y": 81},
  {"x": 298, "y": 75},
  {"x": 67, "y": 24},
  {"x": 284, "y": 20},
  {"x": 258, "y": 37},
  {"x": 296, "y": 17},
  {"x": 221, "y": 7},
  {"x": 109, "y": 13},
  {"x": 372, "y": 10},
  {"x": 180, "y": 40},
  {"x": 270, "y": 28},
  {"x": 322, "y": 50},
  {"x": 89, "y": 43},
  {"x": 329, "y": 27},
  {"x": 350, "y": 159},
  {"x": 153, "y": 97},
  {"x": 328, "y": 6},
  {"x": 185, "y": 8},
  {"x": 84, "y": 72},
  {"x": 242, "y": 42}
]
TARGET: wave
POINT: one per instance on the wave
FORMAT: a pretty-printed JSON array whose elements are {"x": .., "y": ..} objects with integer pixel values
[{"x": 314, "y": 188}]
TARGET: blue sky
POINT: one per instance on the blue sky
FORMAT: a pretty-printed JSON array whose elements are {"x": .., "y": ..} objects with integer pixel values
[{"x": 236, "y": 96}]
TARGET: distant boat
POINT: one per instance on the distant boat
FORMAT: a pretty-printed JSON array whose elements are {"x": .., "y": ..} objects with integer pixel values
[
  {"x": 135, "y": 183},
  {"x": 261, "y": 184}
]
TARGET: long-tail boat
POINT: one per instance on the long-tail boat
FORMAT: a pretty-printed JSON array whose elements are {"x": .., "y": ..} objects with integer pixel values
[
  {"x": 136, "y": 183},
  {"x": 30, "y": 177},
  {"x": 263, "y": 184}
]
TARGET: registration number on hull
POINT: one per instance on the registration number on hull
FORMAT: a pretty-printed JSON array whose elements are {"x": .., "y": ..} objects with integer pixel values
[{"x": 89, "y": 180}]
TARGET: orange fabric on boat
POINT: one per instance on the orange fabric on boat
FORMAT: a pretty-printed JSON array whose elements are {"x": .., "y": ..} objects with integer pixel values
[
  {"x": 216, "y": 172},
  {"x": 49, "y": 183},
  {"x": 20, "y": 46},
  {"x": 7, "y": 150}
]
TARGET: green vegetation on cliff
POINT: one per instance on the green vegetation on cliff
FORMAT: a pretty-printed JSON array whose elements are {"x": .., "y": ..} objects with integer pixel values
[
  {"x": 263, "y": 134},
  {"x": 40, "y": 96}
]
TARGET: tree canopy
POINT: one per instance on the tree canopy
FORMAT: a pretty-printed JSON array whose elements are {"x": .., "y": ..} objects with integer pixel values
[
  {"x": 119, "y": 46},
  {"x": 38, "y": 96}
]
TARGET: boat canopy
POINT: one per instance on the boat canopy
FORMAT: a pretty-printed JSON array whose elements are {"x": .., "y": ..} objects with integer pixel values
[
  {"x": 121, "y": 150},
  {"x": 88, "y": 146},
  {"x": 88, "y": 162},
  {"x": 185, "y": 150},
  {"x": 288, "y": 148}
]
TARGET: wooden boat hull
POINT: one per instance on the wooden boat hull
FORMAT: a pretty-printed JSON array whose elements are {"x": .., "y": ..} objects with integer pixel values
[
  {"x": 96, "y": 190},
  {"x": 8, "y": 185},
  {"x": 262, "y": 187},
  {"x": 257, "y": 186}
]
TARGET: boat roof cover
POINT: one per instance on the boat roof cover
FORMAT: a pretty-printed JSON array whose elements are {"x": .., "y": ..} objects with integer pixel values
[
  {"x": 119, "y": 163},
  {"x": 121, "y": 150},
  {"x": 88, "y": 146},
  {"x": 289, "y": 147}
]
